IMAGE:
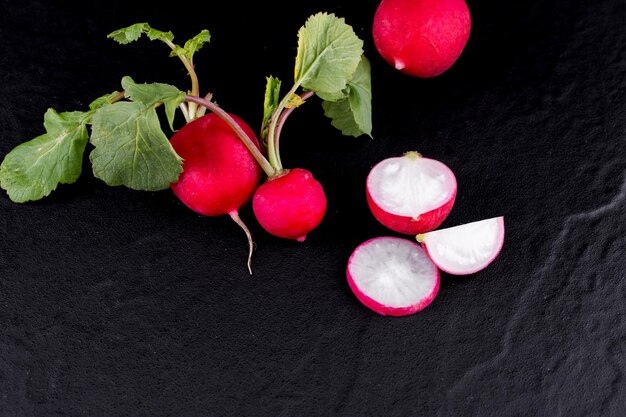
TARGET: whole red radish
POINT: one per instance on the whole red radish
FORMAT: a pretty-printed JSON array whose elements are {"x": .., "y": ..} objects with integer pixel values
[
  {"x": 422, "y": 38},
  {"x": 219, "y": 173},
  {"x": 290, "y": 204},
  {"x": 411, "y": 194},
  {"x": 392, "y": 276}
]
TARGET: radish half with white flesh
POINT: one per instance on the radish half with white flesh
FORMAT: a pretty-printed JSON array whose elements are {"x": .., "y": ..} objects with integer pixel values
[
  {"x": 392, "y": 276},
  {"x": 411, "y": 194},
  {"x": 465, "y": 249}
]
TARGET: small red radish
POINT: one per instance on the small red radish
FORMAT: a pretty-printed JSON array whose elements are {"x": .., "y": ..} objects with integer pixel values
[
  {"x": 219, "y": 173},
  {"x": 465, "y": 249},
  {"x": 392, "y": 276},
  {"x": 411, "y": 194},
  {"x": 290, "y": 204},
  {"x": 422, "y": 38}
]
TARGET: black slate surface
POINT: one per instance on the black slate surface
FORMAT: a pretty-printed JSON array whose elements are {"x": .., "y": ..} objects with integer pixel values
[{"x": 121, "y": 303}]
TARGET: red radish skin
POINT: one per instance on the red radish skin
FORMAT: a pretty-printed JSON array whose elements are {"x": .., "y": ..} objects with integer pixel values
[
  {"x": 419, "y": 184},
  {"x": 422, "y": 38},
  {"x": 417, "y": 255},
  {"x": 290, "y": 205},
  {"x": 480, "y": 242},
  {"x": 409, "y": 225},
  {"x": 219, "y": 173}
]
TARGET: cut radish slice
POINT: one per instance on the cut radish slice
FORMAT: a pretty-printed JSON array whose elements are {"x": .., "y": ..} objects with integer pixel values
[
  {"x": 392, "y": 276},
  {"x": 465, "y": 249},
  {"x": 411, "y": 194}
]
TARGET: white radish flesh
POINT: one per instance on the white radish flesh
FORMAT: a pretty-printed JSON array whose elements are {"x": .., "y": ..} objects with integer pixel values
[
  {"x": 411, "y": 194},
  {"x": 392, "y": 276},
  {"x": 465, "y": 249}
]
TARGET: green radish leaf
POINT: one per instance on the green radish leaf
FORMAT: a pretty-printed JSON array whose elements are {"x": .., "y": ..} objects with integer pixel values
[
  {"x": 272, "y": 98},
  {"x": 103, "y": 101},
  {"x": 328, "y": 54},
  {"x": 131, "y": 149},
  {"x": 133, "y": 32},
  {"x": 353, "y": 114},
  {"x": 153, "y": 94},
  {"x": 150, "y": 93},
  {"x": 33, "y": 169},
  {"x": 158, "y": 35},
  {"x": 128, "y": 34},
  {"x": 193, "y": 45}
]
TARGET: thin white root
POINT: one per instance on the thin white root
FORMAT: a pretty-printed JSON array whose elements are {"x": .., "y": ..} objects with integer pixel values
[{"x": 235, "y": 216}]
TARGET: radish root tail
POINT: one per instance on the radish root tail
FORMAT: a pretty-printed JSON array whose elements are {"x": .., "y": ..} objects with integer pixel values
[{"x": 235, "y": 216}]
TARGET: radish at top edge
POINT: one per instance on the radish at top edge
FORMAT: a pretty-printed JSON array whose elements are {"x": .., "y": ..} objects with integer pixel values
[{"x": 422, "y": 38}]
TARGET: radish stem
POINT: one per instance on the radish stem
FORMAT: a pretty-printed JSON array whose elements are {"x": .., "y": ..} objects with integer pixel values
[
  {"x": 183, "y": 108},
  {"x": 256, "y": 153},
  {"x": 271, "y": 137},
  {"x": 202, "y": 110},
  {"x": 118, "y": 97},
  {"x": 195, "y": 85},
  {"x": 281, "y": 122}
]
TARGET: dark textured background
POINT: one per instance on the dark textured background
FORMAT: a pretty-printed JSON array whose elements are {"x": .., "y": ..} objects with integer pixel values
[{"x": 122, "y": 303}]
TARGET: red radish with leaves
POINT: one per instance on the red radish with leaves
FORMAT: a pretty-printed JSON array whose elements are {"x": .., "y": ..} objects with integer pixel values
[
  {"x": 290, "y": 205},
  {"x": 411, "y": 194},
  {"x": 219, "y": 173},
  {"x": 422, "y": 38},
  {"x": 465, "y": 249},
  {"x": 331, "y": 65},
  {"x": 392, "y": 276},
  {"x": 210, "y": 162}
]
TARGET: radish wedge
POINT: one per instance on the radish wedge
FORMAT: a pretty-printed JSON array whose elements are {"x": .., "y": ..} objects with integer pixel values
[
  {"x": 465, "y": 249},
  {"x": 392, "y": 276},
  {"x": 411, "y": 194}
]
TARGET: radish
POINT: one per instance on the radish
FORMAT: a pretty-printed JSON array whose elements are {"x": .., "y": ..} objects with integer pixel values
[
  {"x": 411, "y": 194},
  {"x": 422, "y": 38},
  {"x": 392, "y": 276},
  {"x": 214, "y": 163},
  {"x": 219, "y": 173},
  {"x": 465, "y": 249},
  {"x": 329, "y": 64},
  {"x": 290, "y": 204}
]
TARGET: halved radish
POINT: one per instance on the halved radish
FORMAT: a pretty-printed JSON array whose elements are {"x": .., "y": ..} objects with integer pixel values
[
  {"x": 392, "y": 276},
  {"x": 465, "y": 249},
  {"x": 411, "y": 194}
]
